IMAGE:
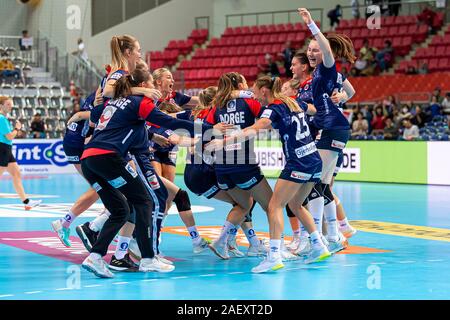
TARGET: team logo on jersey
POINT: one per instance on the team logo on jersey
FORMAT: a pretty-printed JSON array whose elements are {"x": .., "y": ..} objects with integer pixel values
[
  {"x": 300, "y": 175},
  {"x": 306, "y": 87},
  {"x": 72, "y": 127},
  {"x": 105, "y": 117},
  {"x": 73, "y": 158},
  {"x": 267, "y": 113},
  {"x": 338, "y": 144},
  {"x": 153, "y": 181},
  {"x": 231, "y": 106},
  {"x": 131, "y": 170}
]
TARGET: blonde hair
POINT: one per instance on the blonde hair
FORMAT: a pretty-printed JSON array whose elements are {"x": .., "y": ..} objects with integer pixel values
[
  {"x": 274, "y": 85},
  {"x": 3, "y": 99},
  {"x": 119, "y": 44},
  {"x": 169, "y": 107},
  {"x": 206, "y": 98},
  {"x": 294, "y": 84},
  {"x": 227, "y": 83},
  {"x": 158, "y": 74},
  {"x": 342, "y": 46}
]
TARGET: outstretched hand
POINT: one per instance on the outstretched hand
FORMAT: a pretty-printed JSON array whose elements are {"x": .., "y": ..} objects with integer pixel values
[{"x": 306, "y": 16}]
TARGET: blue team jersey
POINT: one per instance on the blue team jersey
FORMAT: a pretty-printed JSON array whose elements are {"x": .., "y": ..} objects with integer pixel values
[
  {"x": 122, "y": 125},
  {"x": 166, "y": 133},
  {"x": 298, "y": 146},
  {"x": 76, "y": 132},
  {"x": 305, "y": 95},
  {"x": 328, "y": 115},
  {"x": 242, "y": 113}
]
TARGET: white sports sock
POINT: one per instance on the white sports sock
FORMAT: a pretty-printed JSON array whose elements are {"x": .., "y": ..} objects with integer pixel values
[
  {"x": 95, "y": 256},
  {"x": 316, "y": 239},
  {"x": 195, "y": 237},
  {"x": 304, "y": 233},
  {"x": 331, "y": 220},
  {"x": 228, "y": 228},
  {"x": 98, "y": 223},
  {"x": 343, "y": 223},
  {"x": 68, "y": 219},
  {"x": 274, "y": 252},
  {"x": 122, "y": 247},
  {"x": 297, "y": 233},
  {"x": 316, "y": 207},
  {"x": 252, "y": 237}
]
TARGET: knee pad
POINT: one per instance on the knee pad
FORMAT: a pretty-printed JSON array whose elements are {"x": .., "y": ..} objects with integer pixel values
[
  {"x": 316, "y": 192},
  {"x": 182, "y": 201},
  {"x": 132, "y": 216},
  {"x": 327, "y": 194},
  {"x": 289, "y": 212},
  {"x": 250, "y": 213},
  {"x": 248, "y": 217}
]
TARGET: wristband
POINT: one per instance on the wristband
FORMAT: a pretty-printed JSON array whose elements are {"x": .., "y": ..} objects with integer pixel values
[
  {"x": 245, "y": 94},
  {"x": 313, "y": 28}
]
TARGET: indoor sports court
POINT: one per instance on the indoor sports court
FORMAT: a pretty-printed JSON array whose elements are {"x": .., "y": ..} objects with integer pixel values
[{"x": 198, "y": 150}]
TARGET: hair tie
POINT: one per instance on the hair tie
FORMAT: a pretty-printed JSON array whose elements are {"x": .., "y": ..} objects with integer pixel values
[{"x": 272, "y": 81}]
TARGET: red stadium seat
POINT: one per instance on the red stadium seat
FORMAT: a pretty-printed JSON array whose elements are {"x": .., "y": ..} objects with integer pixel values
[
  {"x": 271, "y": 28},
  {"x": 343, "y": 24},
  {"x": 446, "y": 39},
  {"x": 410, "y": 19},
  {"x": 361, "y": 23},
  {"x": 433, "y": 64},
  {"x": 289, "y": 27},
  {"x": 437, "y": 40},
  {"x": 254, "y": 30},
  {"x": 393, "y": 31},
  {"x": 237, "y": 31},
  {"x": 245, "y": 30},
  {"x": 443, "y": 64},
  {"x": 390, "y": 20},
  {"x": 280, "y": 28}
]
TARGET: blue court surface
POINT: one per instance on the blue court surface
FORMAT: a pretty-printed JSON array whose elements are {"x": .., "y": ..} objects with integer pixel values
[{"x": 401, "y": 251}]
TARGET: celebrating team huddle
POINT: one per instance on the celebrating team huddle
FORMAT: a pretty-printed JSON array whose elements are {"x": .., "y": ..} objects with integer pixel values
[{"x": 124, "y": 142}]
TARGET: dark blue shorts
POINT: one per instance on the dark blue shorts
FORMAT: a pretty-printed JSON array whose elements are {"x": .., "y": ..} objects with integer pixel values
[
  {"x": 334, "y": 140},
  {"x": 244, "y": 180},
  {"x": 339, "y": 163},
  {"x": 73, "y": 154},
  {"x": 201, "y": 180},
  {"x": 167, "y": 157},
  {"x": 313, "y": 174}
]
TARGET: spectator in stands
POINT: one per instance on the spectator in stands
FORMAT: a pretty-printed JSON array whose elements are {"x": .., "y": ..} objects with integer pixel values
[
  {"x": 7, "y": 68},
  {"x": 437, "y": 94},
  {"x": 355, "y": 9},
  {"x": 360, "y": 126},
  {"x": 367, "y": 113},
  {"x": 37, "y": 127},
  {"x": 378, "y": 121},
  {"x": 411, "y": 70},
  {"x": 390, "y": 131},
  {"x": 434, "y": 109},
  {"x": 21, "y": 134},
  {"x": 427, "y": 16},
  {"x": 405, "y": 112},
  {"x": 385, "y": 56},
  {"x": 446, "y": 104},
  {"x": 423, "y": 68},
  {"x": 366, "y": 63},
  {"x": 411, "y": 132},
  {"x": 287, "y": 54},
  {"x": 270, "y": 68},
  {"x": 26, "y": 42},
  {"x": 419, "y": 117},
  {"x": 335, "y": 15},
  {"x": 82, "y": 53},
  {"x": 75, "y": 109},
  {"x": 394, "y": 8},
  {"x": 389, "y": 105}
]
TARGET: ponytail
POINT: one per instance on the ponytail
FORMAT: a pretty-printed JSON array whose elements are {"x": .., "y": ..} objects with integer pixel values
[
  {"x": 303, "y": 59},
  {"x": 274, "y": 85},
  {"x": 227, "y": 83},
  {"x": 206, "y": 98},
  {"x": 119, "y": 44},
  {"x": 122, "y": 87},
  {"x": 342, "y": 46}
]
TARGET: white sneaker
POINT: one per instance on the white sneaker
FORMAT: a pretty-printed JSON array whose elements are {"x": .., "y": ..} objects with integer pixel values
[
  {"x": 303, "y": 248},
  {"x": 324, "y": 240},
  {"x": 220, "y": 249},
  {"x": 348, "y": 231},
  {"x": 32, "y": 204},
  {"x": 163, "y": 260},
  {"x": 268, "y": 265},
  {"x": 293, "y": 245},
  {"x": 286, "y": 255},
  {"x": 148, "y": 265},
  {"x": 62, "y": 233},
  {"x": 257, "y": 251},
  {"x": 133, "y": 250},
  {"x": 233, "y": 250},
  {"x": 202, "y": 246},
  {"x": 317, "y": 254},
  {"x": 98, "y": 267},
  {"x": 336, "y": 245}
]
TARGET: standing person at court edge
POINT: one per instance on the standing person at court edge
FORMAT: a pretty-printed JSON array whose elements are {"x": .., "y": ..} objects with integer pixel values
[
  {"x": 7, "y": 161},
  {"x": 335, "y": 127}
]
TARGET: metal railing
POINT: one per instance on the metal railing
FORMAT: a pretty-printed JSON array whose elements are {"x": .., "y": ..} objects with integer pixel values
[
  {"x": 286, "y": 16},
  {"x": 407, "y": 8},
  {"x": 203, "y": 23},
  {"x": 64, "y": 66},
  {"x": 29, "y": 57}
]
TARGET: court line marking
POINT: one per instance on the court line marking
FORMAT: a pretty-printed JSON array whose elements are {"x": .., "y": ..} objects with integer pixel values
[
  {"x": 349, "y": 265},
  {"x": 435, "y": 260},
  {"x": 93, "y": 286},
  {"x": 63, "y": 289},
  {"x": 120, "y": 283},
  {"x": 33, "y": 292},
  {"x": 208, "y": 275},
  {"x": 6, "y": 295},
  {"x": 408, "y": 261},
  {"x": 175, "y": 278},
  {"x": 149, "y": 280}
]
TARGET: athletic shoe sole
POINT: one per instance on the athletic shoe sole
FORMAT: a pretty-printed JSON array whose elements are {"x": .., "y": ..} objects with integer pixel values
[
  {"x": 83, "y": 238},
  {"x": 88, "y": 268},
  {"x": 321, "y": 258},
  {"x": 217, "y": 252},
  {"x": 134, "y": 256},
  {"x": 274, "y": 268},
  {"x": 350, "y": 234},
  {"x": 121, "y": 269},
  {"x": 67, "y": 246}
]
